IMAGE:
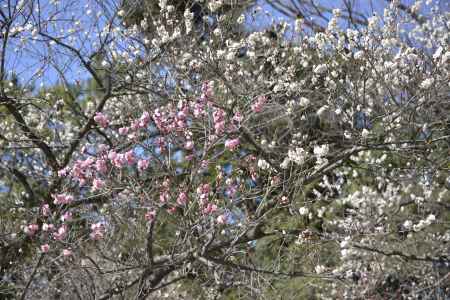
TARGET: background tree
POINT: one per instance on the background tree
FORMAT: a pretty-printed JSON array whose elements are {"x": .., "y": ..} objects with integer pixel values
[{"x": 307, "y": 160}]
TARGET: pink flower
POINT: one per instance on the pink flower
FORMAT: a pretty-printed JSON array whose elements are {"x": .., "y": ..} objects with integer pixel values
[
  {"x": 144, "y": 119},
  {"x": 61, "y": 233},
  {"x": 204, "y": 164},
  {"x": 86, "y": 163},
  {"x": 172, "y": 210},
  {"x": 143, "y": 164},
  {"x": 123, "y": 130},
  {"x": 238, "y": 117},
  {"x": 219, "y": 127},
  {"x": 164, "y": 197},
  {"x": 100, "y": 166},
  {"x": 204, "y": 189},
  {"x": 101, "y": 119},
  {"x": 210, "y": 208},
  {"x": 62, "y": 172},
  {"x": 45, "y": 210},
  {"x": 47, "y": 227},
  {"x": 258, "y": 105},
  {"x": 66, "y": 217},
  {"x": 67, "y": 252},
  {"x": 119, "y": 161},
  {"x": 97, "y": 184},
  {"x": 189, "y": 145},
  {"x": 98, "y": 231},
  {"x": 45, "y": 248},
  {"x": 182, "y": 199},
  {"x": 62, "y": 199},
  {"x": 31, "y": 229},
  {"x": 150, "y": 215},
  {"x": 232, "y": 144},
  {"x": 129, "y": 156},
  {"x": 222, "y": 219},
  {"x": 112, "y": 155}
]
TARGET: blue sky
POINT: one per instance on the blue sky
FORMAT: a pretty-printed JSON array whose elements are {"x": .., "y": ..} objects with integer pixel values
[{"x": 26, "y": 62}]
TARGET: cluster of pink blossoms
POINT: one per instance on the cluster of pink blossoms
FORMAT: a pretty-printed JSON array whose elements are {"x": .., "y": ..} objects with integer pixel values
[
  {"x": 257, "y": 107},
  {"x": 58, "y": 199},
  {"x": 232, "y": 144},
  {"x": 203, "y": 192},
  {"x": 101, "y": 119},
  {"x": 97, "y": 231}
]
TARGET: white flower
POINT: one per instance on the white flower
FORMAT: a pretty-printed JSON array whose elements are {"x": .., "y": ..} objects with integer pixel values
[
  {"x": 359, "y": 54},
  {"x": 431, "y": 218},
  {"x": 298, "y": 155},
  {"x": 320, "y": 269},
  {"x": 285, "y": 164},
  {"x": 407, "y": 224},
  {"x": 427, "y": 83},
  {"x": 320, "y": 69},
  {"x": 262, "y": 164},
  {"x": 321, "y": 151},
  {"x": 304, "y": 101},
  {"x": 365, "y": 133},
  {"x": 303, "y": 211},
  {"x": 321, "y": 110}
]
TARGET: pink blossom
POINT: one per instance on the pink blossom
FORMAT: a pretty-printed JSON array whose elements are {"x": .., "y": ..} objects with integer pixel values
[
  {"x": 207, "y": 90},
  {"x": 123, "y": 130},
  {"x": 219, "y": 127},
  {"x": 204, "y": 189},
  {"x": 166, "y": 183},
  {"x": 47, "y": 227},
  {"x": 31, "y": 229},
  {"x": 143, "y": 164},
  {"x": 86, "y": 163},
  {"x": 222, "y": 219},
  {"x": 198, "y": 110},
  {"x": 204, "y": 164},
  {"x": 67, "y": 252},
  {"x": 100, "y": 166},
  {"x": 258, "y": 105},
  {"x": 210, "y": 208},
  {"x": 232, "y": 144},
  {"x": 189, "y": 145},
  {"x": 150, "y": 215},
  {"x": 63, "y": 172},
  {"x": 101, "y": 119},
  {"x": 129, "y": 156},
  {"x": 219, "y": 121},
  {"x": 61, "y": 233},
  {"x": 62, "y": 199},
  {"x": 172, "y": 210},
  {"x": 164, "y": 197},
  {"x": 45, "y": 210},
  {"x": 67, "y": 216},
  {"x": 97, "y": 231},
  {"x": 238, "y": 117},
  {"x": 97, "y": 184},
  {"x": 144, "y": 119},
  {"x": 182, "y": 199},
  {"x": 112, "y": 155},
  {"x": 45, "y": 248},
  {"x": 231, "y": 191},
  {"x": 119, "y": 161}
]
